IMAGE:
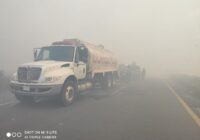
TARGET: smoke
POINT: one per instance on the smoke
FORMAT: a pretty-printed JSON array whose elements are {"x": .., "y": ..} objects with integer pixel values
[
  {"x": 162, "y": 36},
  {"x": 4, "y": 81}
]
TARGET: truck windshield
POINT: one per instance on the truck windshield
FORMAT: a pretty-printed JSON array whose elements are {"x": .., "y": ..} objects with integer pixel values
[{"x": 57, "y": 53}]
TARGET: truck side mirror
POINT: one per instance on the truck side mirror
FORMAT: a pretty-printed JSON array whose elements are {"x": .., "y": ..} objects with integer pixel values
[
  {"x": 35, "y": 54},
  {"x": 36, "y": 51}
]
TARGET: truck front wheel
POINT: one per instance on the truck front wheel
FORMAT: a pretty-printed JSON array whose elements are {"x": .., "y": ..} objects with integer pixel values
[{"x": 68, "y": 93}]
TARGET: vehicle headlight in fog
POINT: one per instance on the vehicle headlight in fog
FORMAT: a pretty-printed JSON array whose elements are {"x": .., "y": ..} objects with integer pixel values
[{"x": 52, "y": 79}]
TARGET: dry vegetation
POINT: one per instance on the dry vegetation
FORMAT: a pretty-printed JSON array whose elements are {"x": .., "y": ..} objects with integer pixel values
[
  {"x": 188, "y": 84},
  {"x": 192, "y": 81}
]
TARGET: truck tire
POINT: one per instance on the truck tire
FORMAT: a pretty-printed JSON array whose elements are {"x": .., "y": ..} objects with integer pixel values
[
  {"x": 68, "y": 93},
  {"x": 25, "y": 99}
]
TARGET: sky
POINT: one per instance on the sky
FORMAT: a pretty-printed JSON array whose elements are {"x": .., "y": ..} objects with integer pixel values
[{"x": 161, "y": 35}]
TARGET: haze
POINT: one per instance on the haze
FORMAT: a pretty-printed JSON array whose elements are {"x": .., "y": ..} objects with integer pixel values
[{"x": 163, "y": 36}]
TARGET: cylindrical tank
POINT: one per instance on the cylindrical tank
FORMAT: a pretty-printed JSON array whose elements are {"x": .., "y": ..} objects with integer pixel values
[{"x": 100, "y": 59}]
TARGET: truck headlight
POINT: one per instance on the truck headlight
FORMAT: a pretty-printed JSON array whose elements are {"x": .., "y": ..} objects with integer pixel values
[{"x": 52, "y": 79}]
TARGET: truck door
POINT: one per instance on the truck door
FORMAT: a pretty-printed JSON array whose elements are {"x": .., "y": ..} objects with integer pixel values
[{"x": 79, "y": 66}]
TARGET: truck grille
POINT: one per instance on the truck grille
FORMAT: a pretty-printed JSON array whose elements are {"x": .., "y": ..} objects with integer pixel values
[{"x": 27, "y": 74}]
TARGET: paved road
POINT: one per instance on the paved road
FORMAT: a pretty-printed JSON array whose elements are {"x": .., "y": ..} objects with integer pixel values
[{"x": 139, "y": 111}]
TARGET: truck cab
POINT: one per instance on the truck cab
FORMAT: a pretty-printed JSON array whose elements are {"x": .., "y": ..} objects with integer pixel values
[{"x": 56, "y": 71}]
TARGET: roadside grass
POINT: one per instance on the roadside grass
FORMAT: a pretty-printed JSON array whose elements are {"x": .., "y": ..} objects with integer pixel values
[{"x": 192, "y": 83}]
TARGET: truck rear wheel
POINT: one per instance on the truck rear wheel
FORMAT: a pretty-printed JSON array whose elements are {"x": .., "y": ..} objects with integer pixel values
[{"x": 68, "y": 93}]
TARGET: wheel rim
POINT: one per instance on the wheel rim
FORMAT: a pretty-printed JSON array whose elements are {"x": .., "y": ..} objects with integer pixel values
[{"x": 69, "y": 94}]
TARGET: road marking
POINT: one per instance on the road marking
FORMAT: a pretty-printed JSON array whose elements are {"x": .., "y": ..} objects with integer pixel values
[{"x": 185, "y": 106}]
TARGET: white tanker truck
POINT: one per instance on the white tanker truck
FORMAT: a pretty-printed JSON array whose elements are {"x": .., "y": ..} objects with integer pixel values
[{"x": 64, "y": 69}]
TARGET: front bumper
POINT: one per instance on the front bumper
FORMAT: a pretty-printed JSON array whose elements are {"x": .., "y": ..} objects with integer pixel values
[{"x": 35, "y": 89}]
